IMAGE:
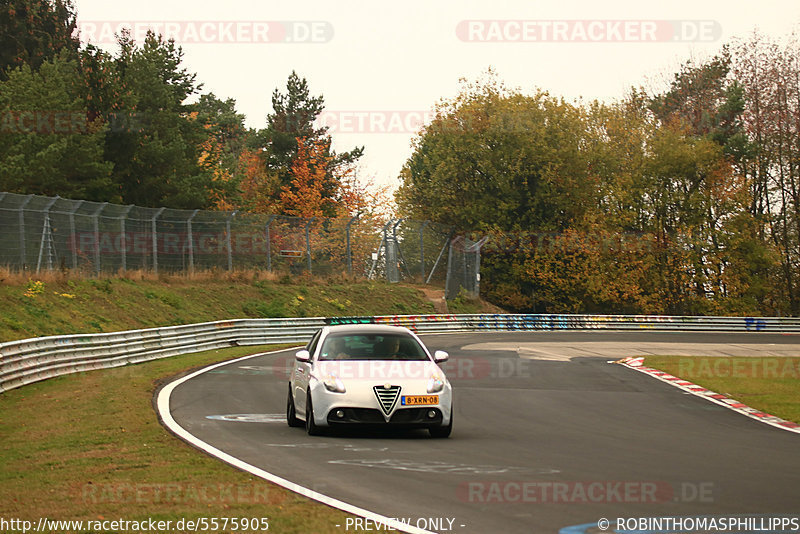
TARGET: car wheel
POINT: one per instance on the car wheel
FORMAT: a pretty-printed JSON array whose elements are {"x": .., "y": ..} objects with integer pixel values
[
  {"x": 311, "y": 427},
  {"x": 442, "y": 431},
  {"x": 291, "y": 414}
]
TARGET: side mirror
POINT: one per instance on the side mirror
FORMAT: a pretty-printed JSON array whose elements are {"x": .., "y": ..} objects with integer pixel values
[
  {"x": 440, "y": 356},
  {"x": 302, "y": 356}
]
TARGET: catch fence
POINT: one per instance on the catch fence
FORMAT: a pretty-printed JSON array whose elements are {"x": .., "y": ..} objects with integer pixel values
[{"x": 52, "y": 233}]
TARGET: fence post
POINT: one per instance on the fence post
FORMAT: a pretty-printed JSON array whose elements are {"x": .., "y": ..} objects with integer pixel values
[
  {"x": 22, "y": 232},
  {"x": 308, "y": 244},
  {"x": 441, "y": 252},
  {"x": 392, "y": 274},
  {"x": 190, "y": 238},
  {"x": 228, "y": 239},
  {"x": 124, "y": 238},
  {"x": 398, "y": 252},
  {"x": 46, "y": 236},
  {"x": 422, "y": 251},
  {"x": 72, "y": 234},
  {"x": 348, "y": 252},
  {"x": 380, "y": 247},
  {"x": 477, "y": 267},
  {"x": 269, "y": 244},
  {"x": 155, "y": 239},
  {"x": 96, "y": 225}
]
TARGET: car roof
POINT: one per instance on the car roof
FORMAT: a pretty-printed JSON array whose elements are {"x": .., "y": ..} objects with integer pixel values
[{"x": 368, "y": 328}]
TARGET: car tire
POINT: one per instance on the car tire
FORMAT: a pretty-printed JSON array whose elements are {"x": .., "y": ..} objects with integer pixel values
[
  {"x": 291, "y": 414},
  {"x": 442, "y": 431},
  {"x": 311, "y": 427}
]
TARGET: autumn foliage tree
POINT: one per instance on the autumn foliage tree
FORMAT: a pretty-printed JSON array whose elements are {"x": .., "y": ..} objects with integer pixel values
[
  {"x": 304, "y": 195},
  {"x": 294, "y": 118},
  {"x": 259, "y": 188},
  {"x": 638, "y": 206},
  {"x": 769, "y": 71}
]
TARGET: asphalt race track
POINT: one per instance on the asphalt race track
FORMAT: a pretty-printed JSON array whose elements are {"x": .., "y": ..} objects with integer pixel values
[{"x": 541, "y": 442}]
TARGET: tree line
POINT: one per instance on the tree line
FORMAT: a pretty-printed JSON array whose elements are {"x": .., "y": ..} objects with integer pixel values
[
  {"x": 681, "y": 202},
  {"x": 132, "y": 127},
  {"x": 684, "y": 200}
]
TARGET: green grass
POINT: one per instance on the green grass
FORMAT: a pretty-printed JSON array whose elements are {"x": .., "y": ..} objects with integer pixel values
[
  {"x": 768, "y": 384},
  {"x": 465, "y": 306},
  {"x": 89, "y": 446},
  {"x": 67, "y": 306}
]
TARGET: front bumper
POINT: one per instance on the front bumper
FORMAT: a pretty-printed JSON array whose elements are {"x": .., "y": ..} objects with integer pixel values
[
  {"x": 360, "y": 405},
  {"x": 417, "y": 417}
]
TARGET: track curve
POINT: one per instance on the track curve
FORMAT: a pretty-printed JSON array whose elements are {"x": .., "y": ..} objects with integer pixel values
[{"x": 545, "y": 437}]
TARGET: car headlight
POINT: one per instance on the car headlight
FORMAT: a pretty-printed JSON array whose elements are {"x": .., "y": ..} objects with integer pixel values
[
  {"x": 333, "y": 383},
  {"x": 435, "y": 383}
]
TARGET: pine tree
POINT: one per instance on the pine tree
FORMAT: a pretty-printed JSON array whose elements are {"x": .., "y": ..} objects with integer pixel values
[{"x": 33, "y": 31}]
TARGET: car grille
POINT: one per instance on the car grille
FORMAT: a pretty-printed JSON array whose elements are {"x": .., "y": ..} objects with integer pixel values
[
  {"x": 411, "y": 417},
  {"x": 387, "y": 397}
]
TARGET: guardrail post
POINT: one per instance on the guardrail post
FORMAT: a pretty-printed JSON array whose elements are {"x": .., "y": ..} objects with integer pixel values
[
  {"x": 96, "y": 225},
  {"x": 155, "y": 239},
  {"x": 190, "y": 239}
]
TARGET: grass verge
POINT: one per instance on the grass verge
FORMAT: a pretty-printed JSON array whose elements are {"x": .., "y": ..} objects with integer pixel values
[
  {"x": 768, "y": 384},
  {"x": 88, "y": 446},
  {"x": 56, "y": 304}
]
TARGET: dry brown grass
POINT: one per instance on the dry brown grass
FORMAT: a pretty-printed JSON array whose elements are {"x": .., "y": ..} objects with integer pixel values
[{"x": 16, "y": 277}]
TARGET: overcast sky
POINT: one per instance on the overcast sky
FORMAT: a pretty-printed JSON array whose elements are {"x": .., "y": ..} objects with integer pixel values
[{"x": 382, "y": 66}]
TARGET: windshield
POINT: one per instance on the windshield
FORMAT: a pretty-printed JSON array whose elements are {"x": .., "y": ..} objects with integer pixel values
[{"x": 372, "y": 347}]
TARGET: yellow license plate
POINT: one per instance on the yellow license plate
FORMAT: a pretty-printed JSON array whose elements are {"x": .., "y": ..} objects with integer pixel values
[{"x": 419, "y": 400}]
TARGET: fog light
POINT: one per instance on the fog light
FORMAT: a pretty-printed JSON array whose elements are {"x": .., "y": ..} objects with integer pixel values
[
  {"x": 431, "y": 414},
  {"x": 340, "y": 414}
]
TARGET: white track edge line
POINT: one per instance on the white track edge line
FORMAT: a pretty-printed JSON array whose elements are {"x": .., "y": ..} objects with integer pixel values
[
  {"x": 715, "y": 401},
  {"x": 168, "y": 421}
]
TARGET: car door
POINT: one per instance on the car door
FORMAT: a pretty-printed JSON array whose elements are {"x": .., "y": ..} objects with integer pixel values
[{"x": 302, "y": 374}]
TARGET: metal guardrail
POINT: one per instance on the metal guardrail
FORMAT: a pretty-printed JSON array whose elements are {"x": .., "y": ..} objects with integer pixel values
[{"x": 30, "y": 360}]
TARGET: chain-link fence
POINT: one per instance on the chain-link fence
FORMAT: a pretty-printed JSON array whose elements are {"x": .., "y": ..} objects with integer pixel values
[
  {"x": 464, "y": 268},
  {"x": 45, "y": 233}
]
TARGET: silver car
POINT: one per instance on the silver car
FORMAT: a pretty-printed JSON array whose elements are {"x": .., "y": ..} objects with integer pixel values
[{"x": 369, "y": 374}]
